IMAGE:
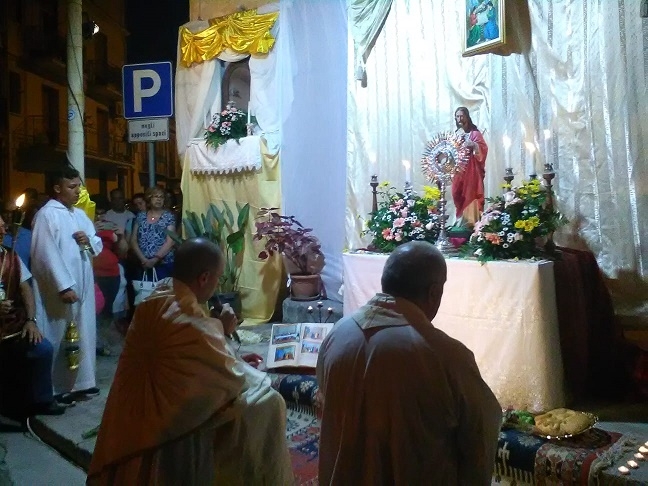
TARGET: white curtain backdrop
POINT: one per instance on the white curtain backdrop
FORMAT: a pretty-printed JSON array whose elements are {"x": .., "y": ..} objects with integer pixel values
[
  {"x": 581, "y": 80},
  {"x": 313, "y": 156},
  {"x": 198, "y": 88}
]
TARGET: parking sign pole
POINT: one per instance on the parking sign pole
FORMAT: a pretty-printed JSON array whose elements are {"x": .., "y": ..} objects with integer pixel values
[
  {"x": 151, "y": 163},
  {"x": 148, "y": 99}
]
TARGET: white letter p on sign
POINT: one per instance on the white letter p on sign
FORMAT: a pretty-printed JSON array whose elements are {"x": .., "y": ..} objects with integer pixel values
[{"x": 140, "y": 92}]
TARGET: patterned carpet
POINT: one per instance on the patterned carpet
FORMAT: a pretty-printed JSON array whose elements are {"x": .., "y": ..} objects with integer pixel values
[
  {"x": 302, "y": 432},
  {"x": 300, "y": 393}
]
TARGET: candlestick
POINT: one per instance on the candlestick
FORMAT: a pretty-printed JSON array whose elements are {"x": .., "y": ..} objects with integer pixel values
[
  {"x": 374, "y": 193},
  {"x": 508, "y": 178},
  {"x": 548, "y": 176}
]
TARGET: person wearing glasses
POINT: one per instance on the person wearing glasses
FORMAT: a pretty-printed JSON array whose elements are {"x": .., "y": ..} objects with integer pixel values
[{"x": 150, "y": 241}]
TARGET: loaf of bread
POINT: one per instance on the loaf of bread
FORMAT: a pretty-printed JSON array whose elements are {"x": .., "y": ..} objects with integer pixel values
[{"x": 562, "y": 421}]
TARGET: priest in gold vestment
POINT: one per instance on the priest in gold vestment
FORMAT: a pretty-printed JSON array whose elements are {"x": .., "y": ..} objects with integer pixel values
[{"x": 182, "y": 409}]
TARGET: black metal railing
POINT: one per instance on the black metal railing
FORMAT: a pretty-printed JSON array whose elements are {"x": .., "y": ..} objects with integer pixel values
[
  {"x": 101, "y": 73},
  {"x": 37, "y": 131},
  {"x": 41, "y": 42}
]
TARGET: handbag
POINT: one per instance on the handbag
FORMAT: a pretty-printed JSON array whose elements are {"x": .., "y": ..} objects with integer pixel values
[{"x": 143, "y": 288}]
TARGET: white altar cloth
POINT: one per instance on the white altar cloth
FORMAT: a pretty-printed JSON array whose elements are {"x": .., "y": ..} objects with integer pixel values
[
  {"x": 504, "y": 312},
  {"x": 230, "y": 157}
]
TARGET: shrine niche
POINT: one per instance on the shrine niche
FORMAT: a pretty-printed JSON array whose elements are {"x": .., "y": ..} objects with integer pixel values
[{"x": 236, "y": 85}]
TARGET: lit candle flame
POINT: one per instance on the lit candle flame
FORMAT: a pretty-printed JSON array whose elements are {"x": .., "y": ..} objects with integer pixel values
[
  {"x": 530, "y": 146},
  {"x": 20, "y": 201}
]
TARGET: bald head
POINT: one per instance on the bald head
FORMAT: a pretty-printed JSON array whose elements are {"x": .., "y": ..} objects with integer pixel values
[
  {"x": 412, "y": 270},
  {"x": 194, "y": 257}
]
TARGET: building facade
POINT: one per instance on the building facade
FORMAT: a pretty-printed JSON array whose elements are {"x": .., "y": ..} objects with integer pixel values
[{"x": 33, "y": 101}]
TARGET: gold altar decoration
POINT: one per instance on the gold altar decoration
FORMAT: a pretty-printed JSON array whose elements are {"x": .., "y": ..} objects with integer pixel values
[
  {"x": 72, "y": 351},
  {"x": 243, "y": 32}
]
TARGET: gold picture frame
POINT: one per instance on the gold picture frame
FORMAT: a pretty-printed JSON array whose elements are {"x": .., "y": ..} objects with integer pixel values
[{"x": 484, "y": 28}]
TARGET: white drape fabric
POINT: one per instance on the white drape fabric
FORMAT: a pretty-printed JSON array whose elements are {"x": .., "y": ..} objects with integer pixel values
[
  {"x": 516, "y": 345},
  {"x": 233, "y": 156},
  {"x": 313, "y": 149},
  {"x": 198, "y": 89},
  {"x": 579, "y": 76},
  {"x": 366, "y": 18},
  {"x": 268, "y": 78}
]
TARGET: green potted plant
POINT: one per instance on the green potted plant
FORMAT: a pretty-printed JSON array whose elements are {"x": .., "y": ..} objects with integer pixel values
[
  {"x": 221, "y": 227},
  {"x": 300, "y": 249}
]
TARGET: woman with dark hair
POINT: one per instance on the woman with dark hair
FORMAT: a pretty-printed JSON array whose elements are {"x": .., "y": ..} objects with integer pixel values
[{"x": 150, "y": 242}]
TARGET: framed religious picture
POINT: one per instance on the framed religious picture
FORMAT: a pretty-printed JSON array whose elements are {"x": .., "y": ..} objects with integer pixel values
[{"x": 484, "y": 26}]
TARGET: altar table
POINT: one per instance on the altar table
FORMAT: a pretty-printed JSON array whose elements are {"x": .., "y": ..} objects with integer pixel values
[{"x": 503, "y": 311}]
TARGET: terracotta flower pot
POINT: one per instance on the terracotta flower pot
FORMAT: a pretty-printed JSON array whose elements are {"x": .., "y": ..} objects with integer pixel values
[{"x": 305, "y": 287}]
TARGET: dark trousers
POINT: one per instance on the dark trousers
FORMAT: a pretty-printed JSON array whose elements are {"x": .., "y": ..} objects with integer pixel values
[
  {"x": 25, "y": 376},
  {"x": 109, "y": 287}
]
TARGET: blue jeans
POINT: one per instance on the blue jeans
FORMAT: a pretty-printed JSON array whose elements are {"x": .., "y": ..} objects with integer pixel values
[{"x": 25, "y": 375}]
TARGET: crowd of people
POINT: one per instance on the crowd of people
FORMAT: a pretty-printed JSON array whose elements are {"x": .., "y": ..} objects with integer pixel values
[
  {"x": 59, "y": 267},
  {"x": 402, "y": 403}
]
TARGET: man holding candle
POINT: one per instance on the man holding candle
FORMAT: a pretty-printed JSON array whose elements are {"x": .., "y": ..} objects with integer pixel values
[
  {"x": 64, "y": 242},
  {"x": 468, "y": 185}
]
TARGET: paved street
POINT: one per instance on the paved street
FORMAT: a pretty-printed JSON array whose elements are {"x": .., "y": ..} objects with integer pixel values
[{"x": 25, "y": 460}]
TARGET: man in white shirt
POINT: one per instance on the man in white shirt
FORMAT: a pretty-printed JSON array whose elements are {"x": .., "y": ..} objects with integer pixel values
[
  {"x": 63, "y": 244},
  {"x": 118, "y": 213}
]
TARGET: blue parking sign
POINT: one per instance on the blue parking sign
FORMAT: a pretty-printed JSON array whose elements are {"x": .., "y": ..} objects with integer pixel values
[{"x": 148, "y": 90}]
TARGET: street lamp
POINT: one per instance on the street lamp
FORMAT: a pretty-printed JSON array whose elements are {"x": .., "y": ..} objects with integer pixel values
[{"x": 88, "y": 26}]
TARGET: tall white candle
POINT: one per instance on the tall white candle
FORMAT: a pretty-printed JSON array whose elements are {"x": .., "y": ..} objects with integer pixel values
[
  {"x": 408, "y": 170},
  {"x": 547, "y": 145},
  {"x": 530, "y": 146},
  {"x": 506, "y": 141},
  {"x": 249, "y": 110}
]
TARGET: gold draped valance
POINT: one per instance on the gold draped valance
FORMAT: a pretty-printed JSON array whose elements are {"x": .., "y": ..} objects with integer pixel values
[{"x": 242, "y": 32}]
